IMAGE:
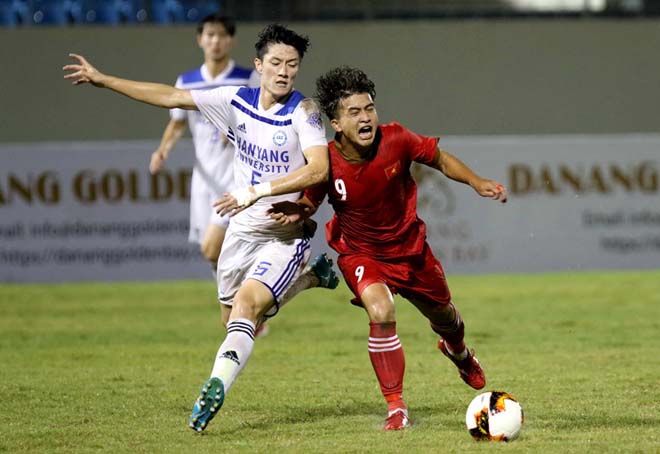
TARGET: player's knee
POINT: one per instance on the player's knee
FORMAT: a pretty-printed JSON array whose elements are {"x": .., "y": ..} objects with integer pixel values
[
  {"x": 445, "y": 311},
  {"x": 381, "y": 311},
  {"x": 247, "y": 307},
  {"x": 446, "y": 317}
]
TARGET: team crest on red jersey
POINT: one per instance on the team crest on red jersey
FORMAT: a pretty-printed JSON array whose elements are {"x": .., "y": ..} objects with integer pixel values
[{"x": 393, "y": 170}]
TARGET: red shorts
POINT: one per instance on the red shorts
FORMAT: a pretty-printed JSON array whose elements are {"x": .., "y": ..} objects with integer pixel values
[{"x": 419, "y": 278}]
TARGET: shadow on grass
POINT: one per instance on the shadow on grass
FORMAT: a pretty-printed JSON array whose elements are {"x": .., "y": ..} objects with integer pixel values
[
  {"x": 571, "y": 422},
  {"x": 295, "y": 415}
]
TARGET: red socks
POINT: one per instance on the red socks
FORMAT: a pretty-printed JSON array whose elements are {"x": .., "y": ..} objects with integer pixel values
[{"x": 389, "y": 362}]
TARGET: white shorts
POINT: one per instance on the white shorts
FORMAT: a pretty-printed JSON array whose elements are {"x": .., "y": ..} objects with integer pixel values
[
  {"x": 202, "y": 212},
  {"x": 276, "y": 264}
]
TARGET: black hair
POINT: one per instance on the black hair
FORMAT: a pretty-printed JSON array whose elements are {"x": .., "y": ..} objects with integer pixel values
[
  {"x": 276, "y": 33},
  {"x": 226, "y": 21},
  {"x": 340, "y": 83}
]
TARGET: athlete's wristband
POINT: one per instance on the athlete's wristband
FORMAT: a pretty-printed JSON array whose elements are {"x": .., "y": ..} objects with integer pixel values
[
  {"x": 263, "y": 189},
  {"x": 244, "y": 197}
]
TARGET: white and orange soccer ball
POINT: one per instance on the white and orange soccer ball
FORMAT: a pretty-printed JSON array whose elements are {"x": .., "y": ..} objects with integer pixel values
[{"x": 495, "y": 415}]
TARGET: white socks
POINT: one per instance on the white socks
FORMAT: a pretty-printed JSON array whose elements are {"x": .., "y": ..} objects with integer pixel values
[{"x": 234, "y": 352}]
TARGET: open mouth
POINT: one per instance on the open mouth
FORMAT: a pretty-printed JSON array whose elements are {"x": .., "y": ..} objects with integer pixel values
[{"x": 365, "y": 132}]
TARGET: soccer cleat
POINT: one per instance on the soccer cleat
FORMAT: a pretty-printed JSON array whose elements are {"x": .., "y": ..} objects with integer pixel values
[
  {"x": 397, "y": 420},
  {"x": 207, "y": 404},
  {"x": 469, "y": 368},
  {"x": 322, "y": 267}
]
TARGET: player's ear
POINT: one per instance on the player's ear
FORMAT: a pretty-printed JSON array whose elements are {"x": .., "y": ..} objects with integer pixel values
[
  {"x": 257, "y": 65},
  {"x": 335, "y": 125}
]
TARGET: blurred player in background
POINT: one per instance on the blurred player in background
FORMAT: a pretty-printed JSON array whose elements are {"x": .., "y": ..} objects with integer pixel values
[
  {"x": 380, "y": 240},
  {"x": 213, "y": 171},
  {"x": 280, "y": 149}
]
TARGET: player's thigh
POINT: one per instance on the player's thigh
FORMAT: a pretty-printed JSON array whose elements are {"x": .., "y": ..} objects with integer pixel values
[
  {"x": 212, "y": 242},
  {"x": 276, "y": 264},
  {"x": 378, "y": 301},
  {"x": 427, "y": 288},
  {"x": 360, "y": 271},
  {"x": 252, "y": 301},
  {"x": 279, "y": 264},
  {"x": 235, "y": 261}
]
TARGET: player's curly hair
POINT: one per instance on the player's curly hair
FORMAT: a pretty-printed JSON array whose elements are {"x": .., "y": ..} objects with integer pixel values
[
  {"x": 340, "y": 83},
  {"x": 277, "y": 33}
]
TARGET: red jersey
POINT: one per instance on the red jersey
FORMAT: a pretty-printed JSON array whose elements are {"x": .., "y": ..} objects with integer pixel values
[{"x": 375, "y": 201}]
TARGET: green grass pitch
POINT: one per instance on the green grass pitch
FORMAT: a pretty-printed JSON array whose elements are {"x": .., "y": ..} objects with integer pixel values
[{"x": 116, "y": 368}]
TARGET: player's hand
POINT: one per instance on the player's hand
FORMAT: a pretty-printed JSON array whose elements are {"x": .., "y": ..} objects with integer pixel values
[
  {"x": 83, "y": 72},
  {"x": 235, "y": 201},
  {"x": 285, "y": 213},
  {"x": 157, "y": 162},
  {"x": 241, "y": 198},
  {"x": 226, "y": 204},
  {"x": 491, "y": 189}
]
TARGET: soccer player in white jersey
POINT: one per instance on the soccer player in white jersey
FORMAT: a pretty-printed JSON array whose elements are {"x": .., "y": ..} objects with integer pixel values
[
  {"x": 212, "y": 172},
  {"x": 280, "y": 150}
]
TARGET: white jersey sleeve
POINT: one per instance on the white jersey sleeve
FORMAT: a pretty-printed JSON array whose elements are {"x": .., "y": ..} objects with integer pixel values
[
  {"x": 215, "y": 105},
  {"x": 308, "y": 123}
]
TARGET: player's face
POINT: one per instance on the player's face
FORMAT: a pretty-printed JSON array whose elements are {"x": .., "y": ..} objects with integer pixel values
[
  {"x": 357, "y": 120},
  {"x": 278, "y": 69},
  {"x": 215, "y": 41}
]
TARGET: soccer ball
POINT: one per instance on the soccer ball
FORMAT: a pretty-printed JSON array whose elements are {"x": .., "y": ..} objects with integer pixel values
[{"x": 494, "y": 415}]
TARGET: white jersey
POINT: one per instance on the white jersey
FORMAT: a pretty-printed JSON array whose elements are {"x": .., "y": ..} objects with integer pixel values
[
  {"x": 213, "y": 153},
  {"x": 268, "y": 145}
]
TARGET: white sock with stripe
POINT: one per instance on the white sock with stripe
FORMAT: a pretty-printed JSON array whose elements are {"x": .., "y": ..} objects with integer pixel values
[{"x": 234, "y": 352}]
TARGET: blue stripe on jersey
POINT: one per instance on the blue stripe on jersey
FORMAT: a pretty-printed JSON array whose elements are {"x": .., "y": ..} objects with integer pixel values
[
  {"x": 259, "y": 117},
  {"x": 239, "y": 73},
  {"x": 286, "y": 277},
  {"x": 291, "y": 103},
  {"x": 237, "y": 76},
  {"x": 192, "y": 76},
  {"x": 249, "y": 95}
]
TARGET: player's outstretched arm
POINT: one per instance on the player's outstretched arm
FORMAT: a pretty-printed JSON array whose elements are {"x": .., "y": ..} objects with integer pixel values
[
  {"x": 160, "y": 95},
  {"x": 313, "y": 173},
  {"x": 171, "y": 136},
  {"x": 455, "y": 169}
]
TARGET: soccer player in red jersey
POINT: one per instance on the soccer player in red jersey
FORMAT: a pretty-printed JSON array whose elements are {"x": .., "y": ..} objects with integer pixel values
[{"x": 376, "y": 232}]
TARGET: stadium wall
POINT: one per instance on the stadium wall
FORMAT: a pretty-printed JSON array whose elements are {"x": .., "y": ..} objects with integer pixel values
[
  {"x": 454, "y": 77},
  {"x": 544, "y": 106},
  {"x": 91, "y": 211}
]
